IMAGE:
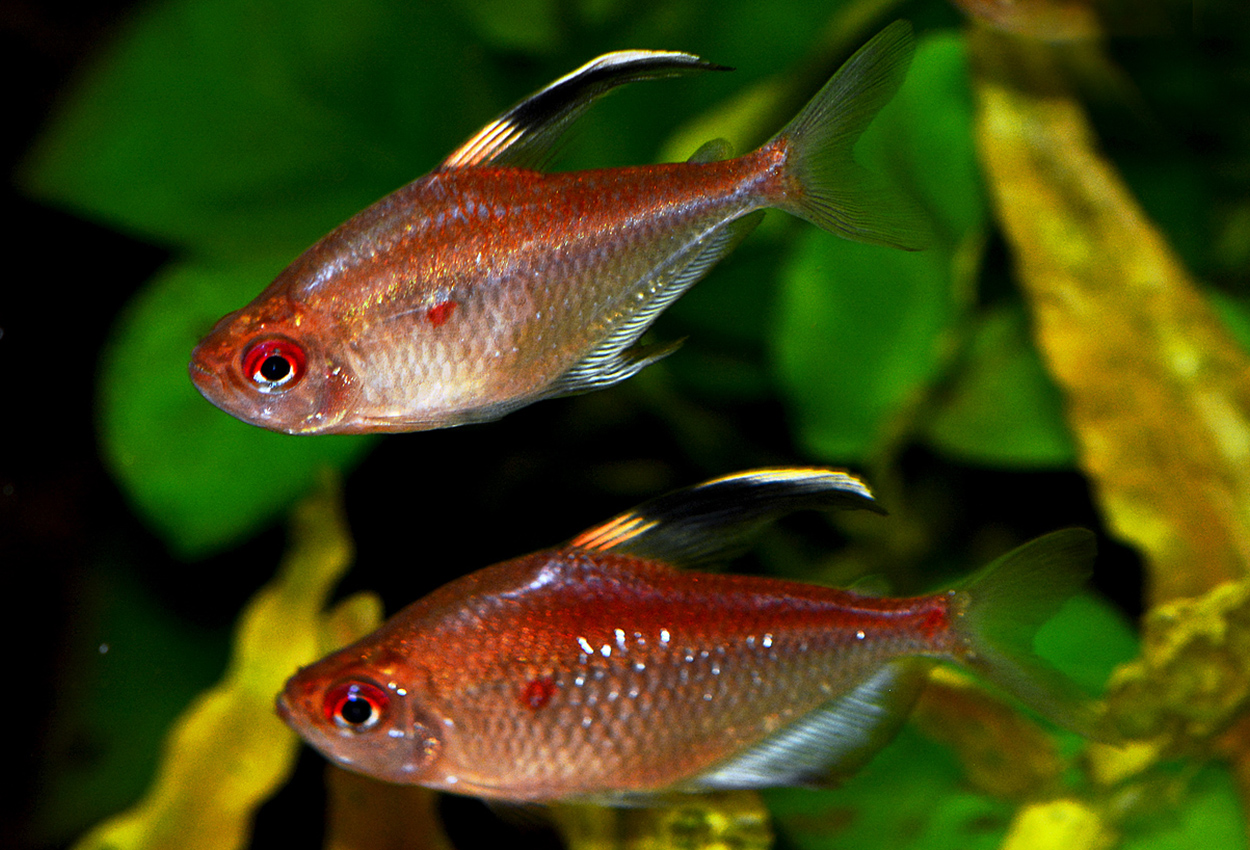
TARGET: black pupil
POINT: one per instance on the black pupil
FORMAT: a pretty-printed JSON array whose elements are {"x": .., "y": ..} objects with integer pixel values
[
  {"x": 356, "y": 710},
  {"x": 275, "y": 368}
]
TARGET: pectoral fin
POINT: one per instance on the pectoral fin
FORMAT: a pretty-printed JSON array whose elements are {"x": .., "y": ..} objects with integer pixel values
[{"x": 525, "y": 135}]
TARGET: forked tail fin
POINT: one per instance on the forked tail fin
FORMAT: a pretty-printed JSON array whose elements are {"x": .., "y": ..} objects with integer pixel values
[
  {"x": 1005, "y": 604},
  {"x": 824, "y": 183}
]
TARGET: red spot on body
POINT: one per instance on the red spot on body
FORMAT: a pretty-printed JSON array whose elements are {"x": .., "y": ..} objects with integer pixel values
[
  {"x": 537, "y": 692},
  {"x": 440, "y": 313},
  {"x": 935, "y": 621}
]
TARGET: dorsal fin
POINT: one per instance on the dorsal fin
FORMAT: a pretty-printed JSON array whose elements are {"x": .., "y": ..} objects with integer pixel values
[
  {"x": 525, "y": 134},
  {"x": 713, "y": 519}
]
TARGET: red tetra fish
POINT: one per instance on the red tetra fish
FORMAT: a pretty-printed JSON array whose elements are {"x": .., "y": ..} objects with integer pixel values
[
  {"x": 598, "y": 671},
  {"x": 487, "y": 285}
]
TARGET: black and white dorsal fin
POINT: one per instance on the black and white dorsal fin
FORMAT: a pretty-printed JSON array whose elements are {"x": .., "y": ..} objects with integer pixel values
[
  {"x": 525, "y": 134},
  {"x": 712, "y": 520}
]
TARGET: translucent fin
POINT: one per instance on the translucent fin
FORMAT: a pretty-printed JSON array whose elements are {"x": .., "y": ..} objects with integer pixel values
[
  {"x": 1000, "y": 610},
  {"x": 613, "y": 360},
  {"x": 830, "y": 743},
  {"x": 525, "y": 134},
  {"x": 714, "y": 151},
  {"x": 826, "y": 186},
  {"x": 714, "y": 519}
]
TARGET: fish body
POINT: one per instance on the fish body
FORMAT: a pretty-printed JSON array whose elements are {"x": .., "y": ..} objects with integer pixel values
[
  {"x": 598, "y": 671},
  {"x": 488, "y": 284}
]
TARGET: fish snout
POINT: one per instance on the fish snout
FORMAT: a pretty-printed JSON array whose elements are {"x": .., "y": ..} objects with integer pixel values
[{"x": 283, "y": 708}]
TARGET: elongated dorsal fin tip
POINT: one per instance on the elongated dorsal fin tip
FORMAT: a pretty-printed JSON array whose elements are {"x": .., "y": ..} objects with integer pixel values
[
  {"x": 525, "y": 135},
  {"x": 712, "y": 520}
]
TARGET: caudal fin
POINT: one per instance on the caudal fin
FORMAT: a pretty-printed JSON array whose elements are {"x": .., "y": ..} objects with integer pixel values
[
  {"x": 1004, "y": 606},
  {"x": 825, "y": 185}
]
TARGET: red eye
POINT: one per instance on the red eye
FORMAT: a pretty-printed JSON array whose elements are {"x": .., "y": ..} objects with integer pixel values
[
  {"x": 355, "y": 705},
  {"x": 274, "y": 364}
]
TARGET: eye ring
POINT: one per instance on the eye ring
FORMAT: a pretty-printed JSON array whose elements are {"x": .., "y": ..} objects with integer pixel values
[
  {"x": 275, "y": 364},
  {"x": 355, "y": 706}
]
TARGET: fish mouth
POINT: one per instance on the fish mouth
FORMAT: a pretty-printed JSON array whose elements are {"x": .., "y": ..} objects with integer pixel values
[
  {"x": 282, "y": 708},
  {"x": 207, "y": 381}
]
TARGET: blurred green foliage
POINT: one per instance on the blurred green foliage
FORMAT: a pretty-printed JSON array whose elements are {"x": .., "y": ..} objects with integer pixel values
[{"x": 235, "y": 134}]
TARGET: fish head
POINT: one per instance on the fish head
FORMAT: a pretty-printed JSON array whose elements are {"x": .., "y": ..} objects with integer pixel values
[
  {"x": 364, "y": 718},
  {"x": 274, "y": 363}
]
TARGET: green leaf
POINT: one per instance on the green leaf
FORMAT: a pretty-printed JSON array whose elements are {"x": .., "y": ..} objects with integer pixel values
[
  {"x": 1209, "y": 817},
  {"x": 911, "y": 795},
  {"x": 530, "y": 25},
  {"x": 1087, "y": 640},
  {"x": 862, "y": 331},
  {"x": 133, "y": 665},
  {"x": 1002, "y": 408},
  {"x": 1235, "y": 313},
  {"x": 232, "y": 128},
  {"x": 201, "y": 478},
  {"x": 859, "y": 334}
]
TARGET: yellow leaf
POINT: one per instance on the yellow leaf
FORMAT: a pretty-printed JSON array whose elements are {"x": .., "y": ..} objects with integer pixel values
[
  {"x": 1157, "y": 391},
  {"x": 727, "y": 820},
  {"x": 1058, "y": 825},
  {"x": 1002, "y": 752},
  {"x": 1193, "y": 679},
  {"x": 228, "y": 751}
]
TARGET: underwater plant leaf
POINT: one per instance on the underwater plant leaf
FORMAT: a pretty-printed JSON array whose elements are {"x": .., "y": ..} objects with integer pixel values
[
  {"x": 1087, "y": 640},
  {"x": 235, "y": 130},
  {"x": 1210, "y": 817},
  {"x": 1050, "y": 20},
  {"x": 1002, "y": 408},
  {"x": 228, "y": 751},
  {"x": 126, "y": 642},
  {"x": 723, "y": 819},
  {"x": 911, "y": 795},
  {"x": 1236, "y": 315},
  {"x": 1193, "y": 678},
  {"x": 861, "y": 331},
  {"x": 529, "y": 25},
  {"x": 1063, "y": 824},
  {"x": 201, "y": 478},
  {"x": 1002, "y": 753},
  {"x": 1156, "y": 389}
]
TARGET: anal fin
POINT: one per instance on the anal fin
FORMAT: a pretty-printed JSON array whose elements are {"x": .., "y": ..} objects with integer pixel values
[
  {"x": 614, "y": 359},
  {"x": 830, "y": 743}
]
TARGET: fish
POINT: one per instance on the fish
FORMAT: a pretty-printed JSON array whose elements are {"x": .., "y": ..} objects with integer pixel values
[
  {"x": 489, "y": 283},
  {"x": 612, "y": 670}
]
